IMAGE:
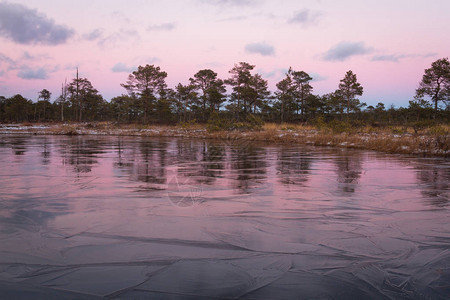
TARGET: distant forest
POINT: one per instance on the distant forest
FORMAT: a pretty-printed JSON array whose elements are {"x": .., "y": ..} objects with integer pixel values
[{"x": 148, "y": 100}]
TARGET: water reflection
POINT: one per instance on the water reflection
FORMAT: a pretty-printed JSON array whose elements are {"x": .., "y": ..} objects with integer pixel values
[
  {"x": 142, "y": 160},
  {"x": 248, "y": 166},
  {"x": 19, "y": 145},
  {"x": 293, "y": 166},
  {"x": 46, "y": 151},
  {"x": 122, "y": 158},
  {"x": 197, "y": 162},
  {"x": 349, "y": 170},
  {"x": 200, "y": 162},
  {"x": 125, "y": 216},
  {"x": 435, "y": 182},
  {"x": 212, "y": 162},
  {"x": 81, "y": 152},
  {"x": 149, "y": 166}
]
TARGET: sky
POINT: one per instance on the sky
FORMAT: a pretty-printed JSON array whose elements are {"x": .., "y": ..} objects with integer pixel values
[{"x": 387, "y": 43}]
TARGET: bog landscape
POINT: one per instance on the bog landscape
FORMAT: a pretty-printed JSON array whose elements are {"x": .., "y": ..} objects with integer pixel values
[
  {"x": 198, "y": 167},
  {"x": 202, "y": 109}
]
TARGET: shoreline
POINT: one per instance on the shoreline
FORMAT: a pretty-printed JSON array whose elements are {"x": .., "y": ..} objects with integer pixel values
[{"x": 381, "y": 140}]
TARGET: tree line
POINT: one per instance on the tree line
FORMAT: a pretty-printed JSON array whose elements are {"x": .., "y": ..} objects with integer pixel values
[{"x": 204, "y": 99}]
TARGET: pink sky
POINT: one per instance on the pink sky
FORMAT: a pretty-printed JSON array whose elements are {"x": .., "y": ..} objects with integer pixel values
[{"x": 388, "y": 44}]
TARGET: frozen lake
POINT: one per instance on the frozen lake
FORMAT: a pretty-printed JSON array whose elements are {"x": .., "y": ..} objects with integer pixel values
[{"x": 149, "y": 218}]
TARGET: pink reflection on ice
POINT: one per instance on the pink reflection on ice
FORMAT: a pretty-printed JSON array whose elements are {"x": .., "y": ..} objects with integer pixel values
[{"x": 267, "y": 214}]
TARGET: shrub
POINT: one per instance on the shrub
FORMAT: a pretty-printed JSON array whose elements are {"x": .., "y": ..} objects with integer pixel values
[
  {"x": 320, "y": 122},
  {"x": 421, "y": 125},
  {"x": 187, "y": 124},
  {"x": 217, "y": 122},
  {"x": 253, "y": 122},
  {"x": 438, "y": 130},
  {"x": 398, "y": 130},
  {"x": 340, "y": 126}
]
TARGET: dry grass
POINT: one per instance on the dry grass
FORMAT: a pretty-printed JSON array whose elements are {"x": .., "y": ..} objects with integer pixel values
[
  {"x": 433, "y": 140},
  {"x": 287, "y": 126}
]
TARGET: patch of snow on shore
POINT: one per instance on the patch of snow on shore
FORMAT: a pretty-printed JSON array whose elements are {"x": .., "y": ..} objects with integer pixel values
[{"x": 18, "y": 127}]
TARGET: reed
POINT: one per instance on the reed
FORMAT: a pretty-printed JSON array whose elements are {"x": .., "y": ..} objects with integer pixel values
[{"x": 433, "y": 140}]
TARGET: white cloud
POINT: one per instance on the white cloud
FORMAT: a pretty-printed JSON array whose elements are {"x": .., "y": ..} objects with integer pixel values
[
  {"x": 119, "y": 36},
  {"x": 230, "y": 2},
  {"x": 345, "y": 50},
  {"x": 94, "y": 34},
  {"x": 121, "y": 67},
  {"x": 162, "y": 27},
  {"x": 305, "y": 17},
  {"x": 29, "y": 73},
  {"x": 398, "y": 57},
  {"x": 260, "y": 48},
  {"x": 28, "y": 26}
]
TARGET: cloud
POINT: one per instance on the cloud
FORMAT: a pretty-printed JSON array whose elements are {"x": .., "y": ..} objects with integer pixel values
[
  {"x": 26, "y": 55},
  {"x": 121, "y": 67},
  {"x": 70, "y": 67},
  {"x": 212, "y": 64},
  {"x": 432, "y": 54},
  {"x": 152, "y": 60},
  {"x": 260, "y": 48},
  {"x": 280, "y": 73},
  {"x": 317, "y": 77},
  {"x": 118, "y": 16},
  {"x": 94, "y": 34},
  {"x": 162, "y": 27},
  {"x": 398, "y": 57},
  {"x": 25, "y": 67},
  {"x": 275, "y": 73},
  {"x": 6, "y": 59},
  {"x": 120, "y": 36},
  {"x": 28, "y": 73},
  {"x": 305, "y": 17},
  {"x": 27, "y": 26},
  {"x": 230, "y": 2},
  {"x": 233, "y": 19},
  {"x": 391, "y": 57},
  {"x": 30, "y": 57},
  {"x": 270, "y": 74},
  {"x": 345, "y": 50},
  {"x": 143, "y": 60},
  {"x": 7, "y": 63}
]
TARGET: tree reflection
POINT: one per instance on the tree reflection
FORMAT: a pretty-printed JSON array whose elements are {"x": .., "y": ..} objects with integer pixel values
[
  {"x": 144, "y": 160},
  {"x": 19, "y": 145},
  {"x": 213, "y": 158},
  {"x": 187, "y": 150},
  {"x": 248, "y": 166},
  {"x": 150, "y": 165},
  {"x": 127, "y": 153},
  {"x": 435, "y": 181},
  {"x": 200, "y": 162},
  {"x": 81, "y": 153},
  {"x": 293, "y": 166},
  {"x": 46, "y": 153},
  {"x": 349, "y": 170},
  {"x": 188, "y": 166}
]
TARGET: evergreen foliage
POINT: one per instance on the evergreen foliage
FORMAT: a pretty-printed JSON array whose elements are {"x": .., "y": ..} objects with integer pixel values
[{"x": 249, "y": 104}]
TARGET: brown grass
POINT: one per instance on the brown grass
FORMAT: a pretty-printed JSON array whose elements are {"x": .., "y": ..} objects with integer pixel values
[{"x": 433, "y": 140}]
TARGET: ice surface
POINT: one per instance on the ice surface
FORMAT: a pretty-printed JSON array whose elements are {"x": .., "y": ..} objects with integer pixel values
[{"x": 147, "y": 218}]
